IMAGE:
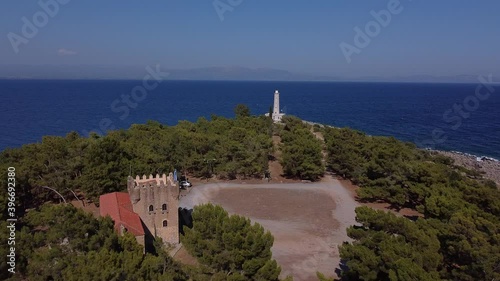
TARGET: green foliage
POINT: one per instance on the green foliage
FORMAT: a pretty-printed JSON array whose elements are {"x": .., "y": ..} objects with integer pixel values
[
  {"x": 322, "y": 277},
  {"x": 241, "y": 110},
  {"x": 230, "y": 245},
  {"x": 60, "y": 242},
  {"x": 301, "y": 151},
  {"x": 404, "y": 176},
  {"x": 64, "y": 244},
  {"x": 103, "y": 171},
  {"x": 229, "y": 148},
  {"x": 456, "y": 240},
  {"x": 387, "y": 246}
]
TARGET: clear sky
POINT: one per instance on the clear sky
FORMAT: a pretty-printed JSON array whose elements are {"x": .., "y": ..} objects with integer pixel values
[{"x": 445, "y": 37}]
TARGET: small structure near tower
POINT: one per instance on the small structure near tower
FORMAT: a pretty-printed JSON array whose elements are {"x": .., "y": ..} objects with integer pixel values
[
  {"x": 277, "y": 115},
  {"x": 117, "y": 205}
]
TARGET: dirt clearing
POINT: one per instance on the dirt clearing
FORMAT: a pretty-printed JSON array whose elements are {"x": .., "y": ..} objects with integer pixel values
[{"x": 308, "y": 221}]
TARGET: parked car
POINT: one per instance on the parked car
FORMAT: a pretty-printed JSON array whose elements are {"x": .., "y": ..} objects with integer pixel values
[{"x": 184, "y": 184}]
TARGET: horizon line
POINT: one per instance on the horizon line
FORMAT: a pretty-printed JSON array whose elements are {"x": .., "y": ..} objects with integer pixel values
[{"x": 237, "y": 80}]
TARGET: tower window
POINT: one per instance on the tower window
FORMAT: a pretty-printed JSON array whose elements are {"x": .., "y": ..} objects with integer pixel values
[
  {"x": 151, "y": 208},
  {"x": 164, "y": 207},
  {"x": 165, "y": 223}
]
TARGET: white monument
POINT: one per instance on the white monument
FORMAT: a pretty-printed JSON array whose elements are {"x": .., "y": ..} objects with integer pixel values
[{"x": 277, "y": 115}]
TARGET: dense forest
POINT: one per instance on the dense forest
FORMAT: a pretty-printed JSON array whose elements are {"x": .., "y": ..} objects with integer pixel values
[
  {"x": 230, "y": 247},
  {"x": 61, "y": 242},
  {"x": 457, "y": 236},
  {"x": 301, "y": 151},
  {"x": 96, "y": 165}
]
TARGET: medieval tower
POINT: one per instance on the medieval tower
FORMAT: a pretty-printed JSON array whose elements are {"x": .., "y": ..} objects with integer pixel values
[{"x": 156, "y": 201}]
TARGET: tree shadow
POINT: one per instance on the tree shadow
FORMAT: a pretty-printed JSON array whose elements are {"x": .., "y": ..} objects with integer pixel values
[
  {"x": 185, "y": 219},
  {"x": 340, "y": 269},
  {"x": 149, "y": 239}
]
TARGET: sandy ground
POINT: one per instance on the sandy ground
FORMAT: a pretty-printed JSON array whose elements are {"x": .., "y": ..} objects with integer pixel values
[{"x": 307, "y": 220}]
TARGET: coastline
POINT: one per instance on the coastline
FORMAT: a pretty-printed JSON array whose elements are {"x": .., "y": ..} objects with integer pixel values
[{"x": 488, "y": 167}]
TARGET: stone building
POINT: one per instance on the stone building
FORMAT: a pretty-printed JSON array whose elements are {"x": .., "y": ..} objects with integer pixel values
[
  {"x": 156, "y": 201},
  {"x": 117, "y": 205},
  {"x": 149, "y": 209}
]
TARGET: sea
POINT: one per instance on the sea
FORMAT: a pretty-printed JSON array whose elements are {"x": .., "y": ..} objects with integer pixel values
[{"x": 452, "y": 117}]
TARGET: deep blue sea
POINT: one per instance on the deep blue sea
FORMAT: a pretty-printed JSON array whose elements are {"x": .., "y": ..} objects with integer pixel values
[{"x": 441, "y": 116}]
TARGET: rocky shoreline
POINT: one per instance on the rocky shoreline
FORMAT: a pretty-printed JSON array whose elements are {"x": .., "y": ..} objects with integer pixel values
[{"x": 488, "y": 167}]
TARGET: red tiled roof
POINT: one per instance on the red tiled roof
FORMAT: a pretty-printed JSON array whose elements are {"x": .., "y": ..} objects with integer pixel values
[{"x": 119, "y": 207}]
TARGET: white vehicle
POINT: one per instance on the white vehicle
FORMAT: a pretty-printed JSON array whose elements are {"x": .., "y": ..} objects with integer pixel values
[{"x": 184, "y": 184}]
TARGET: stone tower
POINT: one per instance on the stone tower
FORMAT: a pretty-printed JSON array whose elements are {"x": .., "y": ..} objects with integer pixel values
[{"x": 156, "y": 201}]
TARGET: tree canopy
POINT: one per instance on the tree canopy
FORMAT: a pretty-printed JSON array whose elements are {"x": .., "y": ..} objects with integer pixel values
[
  {"x": 60, "y": 242},
  {"x": 301, "y": 151},
  {"x": 228, "y": 148},
  {"x": 458, "y": 237},
  {"x": 230, "y": 245}
]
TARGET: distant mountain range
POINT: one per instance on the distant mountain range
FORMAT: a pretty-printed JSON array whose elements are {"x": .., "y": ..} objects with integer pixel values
[
  {"x": 206, "y": 73},
  {"x": 243, "y": 73}
]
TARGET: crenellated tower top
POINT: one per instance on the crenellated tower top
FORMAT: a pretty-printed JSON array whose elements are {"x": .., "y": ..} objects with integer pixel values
[{"x": 158, "y": 180}]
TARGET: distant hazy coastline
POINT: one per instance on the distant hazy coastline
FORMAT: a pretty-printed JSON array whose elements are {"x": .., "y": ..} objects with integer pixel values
[{"x": 214, "y": 73}]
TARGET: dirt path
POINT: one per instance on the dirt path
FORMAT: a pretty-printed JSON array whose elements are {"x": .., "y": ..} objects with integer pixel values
[
  {"x": 275, "y": 167},
  {"x": 319, "y": 136},
  {"x": 308, "y": 221}
]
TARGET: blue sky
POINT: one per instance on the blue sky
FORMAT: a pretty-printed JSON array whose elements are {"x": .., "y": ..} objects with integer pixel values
[{"x": 446, "y": 37}]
